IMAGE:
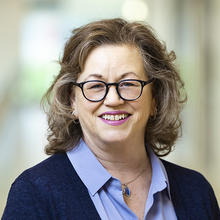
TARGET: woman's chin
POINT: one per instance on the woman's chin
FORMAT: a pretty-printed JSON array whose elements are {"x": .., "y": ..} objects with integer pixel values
[{"x": 113, "y": 138}]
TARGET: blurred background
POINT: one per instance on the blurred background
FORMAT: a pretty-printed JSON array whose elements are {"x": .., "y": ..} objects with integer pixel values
[{"x": 32, "y": 37}]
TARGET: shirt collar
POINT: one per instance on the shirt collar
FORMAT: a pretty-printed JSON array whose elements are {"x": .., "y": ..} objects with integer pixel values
[
  {"x": 94, "y": 175},
  {"x": 88, "y": 168},
  {"x": 159, "y": 180}
]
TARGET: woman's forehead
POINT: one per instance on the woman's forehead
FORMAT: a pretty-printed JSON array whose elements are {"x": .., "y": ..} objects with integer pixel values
[{"x": 113, "y": 60}]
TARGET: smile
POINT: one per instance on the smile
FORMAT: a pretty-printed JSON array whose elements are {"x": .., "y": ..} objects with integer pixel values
[{"x": 114, "y": 117}]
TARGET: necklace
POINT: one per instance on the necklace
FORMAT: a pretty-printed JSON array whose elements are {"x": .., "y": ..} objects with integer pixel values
[{"x": 125, "y": 190}]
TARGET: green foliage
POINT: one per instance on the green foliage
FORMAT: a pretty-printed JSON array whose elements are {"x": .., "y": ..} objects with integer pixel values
[{"x": 34, "y": 82}]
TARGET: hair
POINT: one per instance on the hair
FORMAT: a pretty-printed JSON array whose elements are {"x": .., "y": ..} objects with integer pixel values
[{"x": 162, "y": 129}]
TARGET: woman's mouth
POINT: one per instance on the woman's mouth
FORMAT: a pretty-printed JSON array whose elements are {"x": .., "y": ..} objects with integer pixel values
[{"x": 115, "y": 118}]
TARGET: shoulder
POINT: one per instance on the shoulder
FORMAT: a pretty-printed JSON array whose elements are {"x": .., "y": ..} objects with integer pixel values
[
  {"x": 185, "y": 176},
  {"x": 52, "y": 176},
  {"x": 56, "y": 165},
  {"x": 192, "y": 189},
  {"x": 44, "y": 177},
  {"x": 38, "y": 190},
  {"x": 188, "y": 178}
]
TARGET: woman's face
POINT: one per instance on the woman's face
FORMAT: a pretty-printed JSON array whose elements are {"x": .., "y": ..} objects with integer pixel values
[{"x": 112, "y": 63}]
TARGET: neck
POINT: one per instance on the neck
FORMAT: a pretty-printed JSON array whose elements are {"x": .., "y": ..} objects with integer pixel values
[{"x": 123, "y": 160}]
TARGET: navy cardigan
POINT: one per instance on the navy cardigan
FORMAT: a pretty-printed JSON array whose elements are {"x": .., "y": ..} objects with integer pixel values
[{"x": 53, "y": 190}]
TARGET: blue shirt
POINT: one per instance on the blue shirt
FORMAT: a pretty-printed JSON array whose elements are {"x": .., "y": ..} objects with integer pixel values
[{"x": 106, "y": 192}]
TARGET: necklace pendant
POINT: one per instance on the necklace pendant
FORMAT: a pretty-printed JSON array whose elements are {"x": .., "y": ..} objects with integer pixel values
[{"x": 126, "y": 191}]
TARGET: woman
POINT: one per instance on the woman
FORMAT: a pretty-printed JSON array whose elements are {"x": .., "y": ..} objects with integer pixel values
[{"x": 114, "y": 108}]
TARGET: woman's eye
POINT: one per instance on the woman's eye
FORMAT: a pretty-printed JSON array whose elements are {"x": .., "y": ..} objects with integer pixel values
[
  {"x": 96, "y": 86},
  {"x": 128, "y": 84}
]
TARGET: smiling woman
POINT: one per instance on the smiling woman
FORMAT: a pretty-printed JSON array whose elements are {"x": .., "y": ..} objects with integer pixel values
[
  {"x": 154, "y": 62},
  {"x": 113, "y": 109}
]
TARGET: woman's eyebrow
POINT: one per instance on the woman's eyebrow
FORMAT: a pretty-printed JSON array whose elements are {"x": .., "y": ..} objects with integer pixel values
[
  {"x": 127, "y": 74},
  {"x": 99, "y": 76},
  {"x": 96, "y": 75}
]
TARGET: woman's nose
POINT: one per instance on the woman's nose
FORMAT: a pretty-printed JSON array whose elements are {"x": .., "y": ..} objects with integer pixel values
[{"x": 112, "y": 98}]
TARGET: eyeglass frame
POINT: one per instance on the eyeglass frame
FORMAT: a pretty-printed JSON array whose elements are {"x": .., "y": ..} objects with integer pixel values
[{"x": 116, "y": 84}]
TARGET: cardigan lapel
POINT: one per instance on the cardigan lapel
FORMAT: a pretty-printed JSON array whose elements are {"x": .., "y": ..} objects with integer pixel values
[
  {"x": 85, "y": 206},
  {"x": 175, "y": 191}
]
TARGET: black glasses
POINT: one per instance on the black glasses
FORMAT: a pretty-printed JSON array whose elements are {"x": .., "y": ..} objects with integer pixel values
[{"x": 97, "y": 90}]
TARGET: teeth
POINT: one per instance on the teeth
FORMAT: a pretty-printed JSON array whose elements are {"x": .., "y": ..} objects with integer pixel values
[{"x": 115, "y": 117}]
